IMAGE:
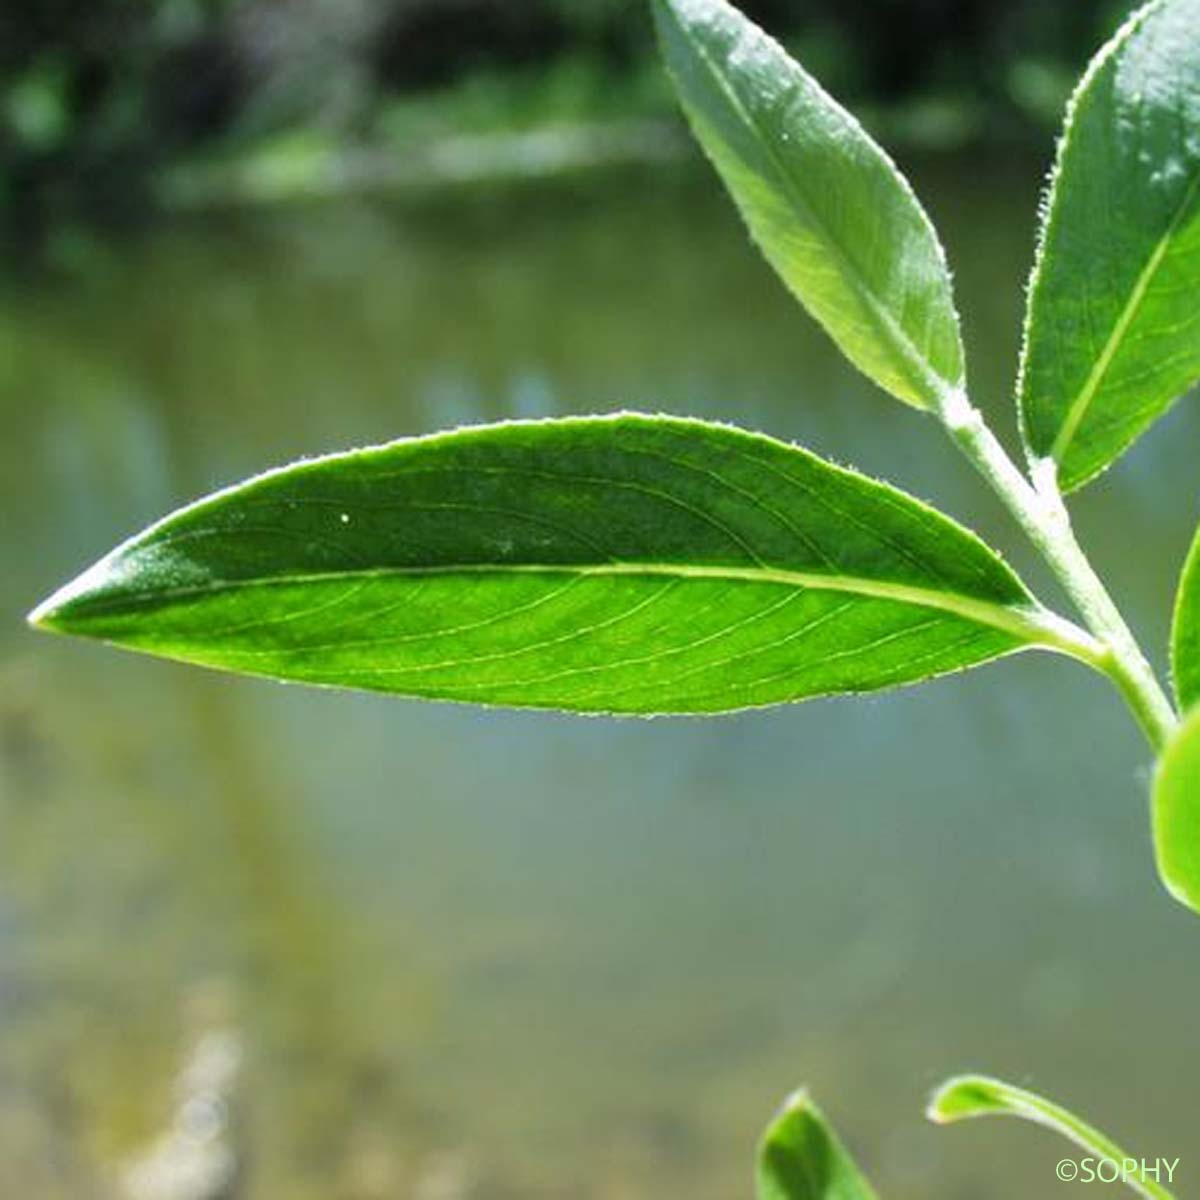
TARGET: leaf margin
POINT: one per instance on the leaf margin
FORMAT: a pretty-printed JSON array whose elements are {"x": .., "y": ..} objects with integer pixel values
[{"x": 1176, "y": 854}]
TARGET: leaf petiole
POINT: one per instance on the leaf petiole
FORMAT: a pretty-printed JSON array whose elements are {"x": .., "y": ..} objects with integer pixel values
[{"x": 1039, "y": 509}]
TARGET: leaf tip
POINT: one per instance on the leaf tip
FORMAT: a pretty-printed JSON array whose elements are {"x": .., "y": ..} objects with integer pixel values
[
  {"x": 47, "y": 616},
  {"x": 58, "y": 613},
  {"x": 959, "y": 1096},
  {"x": 935, "y": 1109},
  {"x": 796, "y": 1102}
]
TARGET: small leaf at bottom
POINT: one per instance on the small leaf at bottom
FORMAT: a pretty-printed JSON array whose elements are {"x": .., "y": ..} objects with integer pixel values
[{"x": 800, "y": 1158}]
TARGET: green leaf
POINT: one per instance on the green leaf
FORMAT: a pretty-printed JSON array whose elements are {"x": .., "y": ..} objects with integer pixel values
[
  {"x": 825, "y": 204},
  {"x": 800, "y": 1158},
  {"x": 1185, "y": 631},
  {"x": 619, "y": 564},
  {"x": 979, "y": 1096},
  {"x": 1112, "y": 332},
  {"x": 1177, "y": 813}
]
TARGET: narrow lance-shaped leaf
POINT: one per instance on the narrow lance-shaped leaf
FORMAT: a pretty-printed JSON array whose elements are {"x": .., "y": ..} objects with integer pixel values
[
  {"x": 1176, "y": 808},
  {"x": 824, "y": 203},
  {"x": 801, "y": 1158},
  {"x": 980, "y": 1096},
  {"x": 624, "y": 564},
  {"x": 1185, "y": 631},
  {"x": 1112, "y": 332}
]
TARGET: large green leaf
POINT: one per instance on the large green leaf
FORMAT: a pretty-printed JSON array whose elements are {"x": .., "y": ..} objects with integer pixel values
[
  {"x": 622, "y": 564},
  {"x": 969, "y": 1096},
  {"x": 1112, "y": 332},
  {"x": 1185, "y": 631},
  {"x": 1177, "y": 813},
  {"x": 823, "y": 201},
  {"x": 800, "y": 1158}
]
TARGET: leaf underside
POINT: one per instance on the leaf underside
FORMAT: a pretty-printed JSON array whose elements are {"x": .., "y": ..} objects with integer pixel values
[
  {"x": 1112, "y": 332},
  {"x": 801, "y": 1158},
  {"x": 620, "y": 564},
  {"x": 826, "y": 206},
  {"x": 1177, "y": 814}
]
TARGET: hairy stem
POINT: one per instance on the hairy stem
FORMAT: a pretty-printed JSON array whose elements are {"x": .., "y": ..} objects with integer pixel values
[{"x": 1041, "y": 513}]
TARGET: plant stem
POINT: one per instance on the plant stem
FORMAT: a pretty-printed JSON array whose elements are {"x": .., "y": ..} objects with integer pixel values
[{"x": 1041, "y": 513}]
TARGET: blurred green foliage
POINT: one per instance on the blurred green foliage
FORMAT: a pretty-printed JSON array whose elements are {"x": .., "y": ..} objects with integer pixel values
[{"x": 97, "y": 96}]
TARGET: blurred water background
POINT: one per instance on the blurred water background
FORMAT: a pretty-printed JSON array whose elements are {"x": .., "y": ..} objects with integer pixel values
[{"x": 263, "y": 942}]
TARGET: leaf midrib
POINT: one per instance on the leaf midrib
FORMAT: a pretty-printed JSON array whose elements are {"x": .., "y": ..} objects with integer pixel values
[
  {"x": 1031, "y": 622},
  {"x": 912, "y": 356},
  {"x": 1078, "y": 408}
]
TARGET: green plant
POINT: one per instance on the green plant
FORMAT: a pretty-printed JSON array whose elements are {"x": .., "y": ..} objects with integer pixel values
[
  {"x": 634, "y": 564},
  {"x": 801, "y": 1158}
]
